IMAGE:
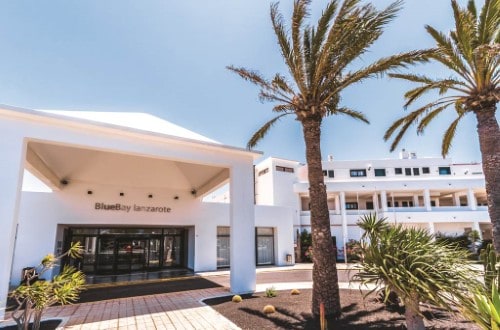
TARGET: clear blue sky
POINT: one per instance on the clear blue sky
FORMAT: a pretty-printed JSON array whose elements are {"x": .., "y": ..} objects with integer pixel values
[{"x": 168, "y": 58}]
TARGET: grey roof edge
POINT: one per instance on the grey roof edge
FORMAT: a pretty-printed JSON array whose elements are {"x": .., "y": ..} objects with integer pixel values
[{"x": 82, "y": 121}]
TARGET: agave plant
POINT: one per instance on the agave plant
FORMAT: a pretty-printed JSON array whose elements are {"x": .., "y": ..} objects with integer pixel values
[
  {"x": 484, "y": 310},
  {"x": 409, "y": 262}
]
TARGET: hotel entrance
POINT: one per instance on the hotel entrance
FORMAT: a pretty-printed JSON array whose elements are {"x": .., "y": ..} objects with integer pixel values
[{"x": 110, "y": 251}]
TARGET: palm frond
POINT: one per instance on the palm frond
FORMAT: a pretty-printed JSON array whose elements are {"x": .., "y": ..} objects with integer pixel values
[
  {"x": 449, "y": 135},
  {"x": 257, "y": 136},
  {"x": 429, "y": 117},
  {"x": 489, "y": 21},
  {"x": 349, "y": 112},
  {"x": 251, "y": 76},
  {"x": 300, "y": 11},
  {"x": 404, "y": 123},
  {"x": 447, "y": 55},
  {"x": 283, "y": 40}
]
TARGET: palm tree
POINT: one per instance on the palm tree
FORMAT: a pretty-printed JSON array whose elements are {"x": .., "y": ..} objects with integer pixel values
[
  {"x": 317, "y": 58},
  {"x": 411, "y": 263},
  {"x": 472, "y": 53}
]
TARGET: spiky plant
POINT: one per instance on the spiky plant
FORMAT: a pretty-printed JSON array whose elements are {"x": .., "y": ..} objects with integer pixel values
[
  {"x": 34, "y": 296},
  {"x": 319, "y": 61},
  {"x": 409, "y": 262},
  {"x": 471, "y": 52}
]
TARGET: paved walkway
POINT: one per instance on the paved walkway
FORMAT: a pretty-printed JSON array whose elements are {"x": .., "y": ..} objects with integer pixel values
[{"x": 179, "y": 310}]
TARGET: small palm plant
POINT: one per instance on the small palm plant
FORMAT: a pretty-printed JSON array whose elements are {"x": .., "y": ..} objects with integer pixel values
[
  {"x": 34, "y": 296},
  {"x": 409, "y": 262}
]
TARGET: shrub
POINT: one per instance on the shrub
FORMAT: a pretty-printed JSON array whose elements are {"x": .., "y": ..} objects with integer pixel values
[
  {"x": 295, "y": 292},
  {"x": 237, "y": 298},
  {"x": 33, "y": 296},
  {"x": 306, "y": 245},
  {"x": 268, "y": 309},
  {"x": 353, "y": 250},
  {"x": 271, "y": 292},
  {"x": 409, "y": 262}
]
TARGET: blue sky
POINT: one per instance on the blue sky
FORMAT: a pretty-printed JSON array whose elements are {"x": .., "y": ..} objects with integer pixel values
[{"x": 168, "y": 58}]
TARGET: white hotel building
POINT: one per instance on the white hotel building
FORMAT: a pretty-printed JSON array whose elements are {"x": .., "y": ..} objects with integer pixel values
[
  {"x": 432, "y": 193},
  {"x": 131, "y": 188}
]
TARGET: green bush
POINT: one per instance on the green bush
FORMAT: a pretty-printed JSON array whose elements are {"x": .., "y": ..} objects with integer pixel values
[{"x": 271, "y": 292}]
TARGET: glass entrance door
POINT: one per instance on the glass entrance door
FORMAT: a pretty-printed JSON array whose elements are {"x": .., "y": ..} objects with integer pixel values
[
  {"x": 172, "y": 253},
  {"x": 130, "y": 255}
]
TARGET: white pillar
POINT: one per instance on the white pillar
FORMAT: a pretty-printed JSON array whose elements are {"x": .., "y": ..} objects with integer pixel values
[
  {"x": 431, "y": 228},
  {"x": 337, "y": 204},
  {"x": 383, "y": 200},
  {"x": 344, "y": 222},
  {"x": 427, "y": 199},
  {"x": 471, "y": 199},
  {"x": 13, "y": 153},
  {"x": 415, "y": 200},
  {"x": 456, "y": 199},
  {"x": 242, "y": 213},
  {"x": 375, "y": 201},
  {"x": 437, "y": 202}
]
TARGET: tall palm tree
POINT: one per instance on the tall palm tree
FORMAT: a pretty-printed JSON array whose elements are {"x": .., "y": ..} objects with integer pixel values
[
  {"x": 317, "y": 58},
  {"x": 472, "y": 53}
]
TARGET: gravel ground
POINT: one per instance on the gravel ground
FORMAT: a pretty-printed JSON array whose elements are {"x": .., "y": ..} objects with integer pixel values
[{"x": 293, "y": 312}]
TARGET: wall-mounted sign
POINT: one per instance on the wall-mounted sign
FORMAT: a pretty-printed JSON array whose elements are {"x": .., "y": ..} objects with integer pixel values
[{"x": 134, "y": 208}]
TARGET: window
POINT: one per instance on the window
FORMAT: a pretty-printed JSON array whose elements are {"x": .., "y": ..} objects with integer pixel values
[
  {"x": 396, "y": 204},
  {"x": 433, "y": 203},
  {"x": 325, "y": 173},
  {"x": 404, "y": 204},
  {"x": 351, "y": 206},
  {"x": 380, "y": 172},
  {"x": 223, "y": 247},
  {"x": 264, "y": 171},
  {"x": 331, "y": 173},
  {"x": 398, "y": 170},
  {"x": 426, "y": 170},
  {"x": 416, "y": 171},
  {"x": 264, "y": 245},
  {"x": 358, "y": 173},
  {"x": 284, "y": 169},
  {"x": 444, "y": 171},
  {"x": 369, "y": 205},
  {"x": 407, "y": 171}
]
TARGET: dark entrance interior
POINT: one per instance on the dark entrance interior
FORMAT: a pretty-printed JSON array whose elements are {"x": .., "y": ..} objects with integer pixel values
[{"x": 128, "y": 250}]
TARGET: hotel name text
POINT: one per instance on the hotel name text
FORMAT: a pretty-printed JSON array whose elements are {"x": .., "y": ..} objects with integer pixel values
[{"x": 134, "y": 208}]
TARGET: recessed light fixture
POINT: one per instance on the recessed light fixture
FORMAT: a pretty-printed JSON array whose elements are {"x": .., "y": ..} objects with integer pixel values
[
  {"x": 89, "y": 192},
  {"x": 150, "y": 196},
  {"x": 122, "y": 194},
  {"x": 176, "y": 197}
]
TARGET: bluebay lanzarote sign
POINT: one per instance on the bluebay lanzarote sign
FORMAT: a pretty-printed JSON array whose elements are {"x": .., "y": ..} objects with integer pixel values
[{"x": 127, "y": 208}]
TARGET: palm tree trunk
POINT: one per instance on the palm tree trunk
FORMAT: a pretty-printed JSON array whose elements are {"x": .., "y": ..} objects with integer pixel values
[
  {"x": 489, "y": 141},
  {"x": 325, "y": 280},
  {"x": 414, "y": 321}
]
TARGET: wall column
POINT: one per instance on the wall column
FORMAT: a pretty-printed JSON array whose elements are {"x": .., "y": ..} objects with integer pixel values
[
  {"x": 344, "y": 223},
  {"x": 242, "y": 239},
  {"x": 375, "y": 202},
  {"x": 383, "y": 200},
  {"x": 415, "y": 200},
  {"x": 456, "y": 199},
  {"x": 427, "y": 199},
  {"x": 431, "y": 228},
  {"x": 337, "y": 204},
  {"x": 471, "y": 200},
  {"x": 13, "y": 151}
]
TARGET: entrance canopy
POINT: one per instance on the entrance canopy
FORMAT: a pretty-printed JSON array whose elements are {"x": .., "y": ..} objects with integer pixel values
[{"x": 59, "y": 165}]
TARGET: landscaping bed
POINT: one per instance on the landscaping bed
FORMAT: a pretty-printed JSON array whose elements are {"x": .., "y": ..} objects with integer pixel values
[{"x": 294, "y": 312}]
